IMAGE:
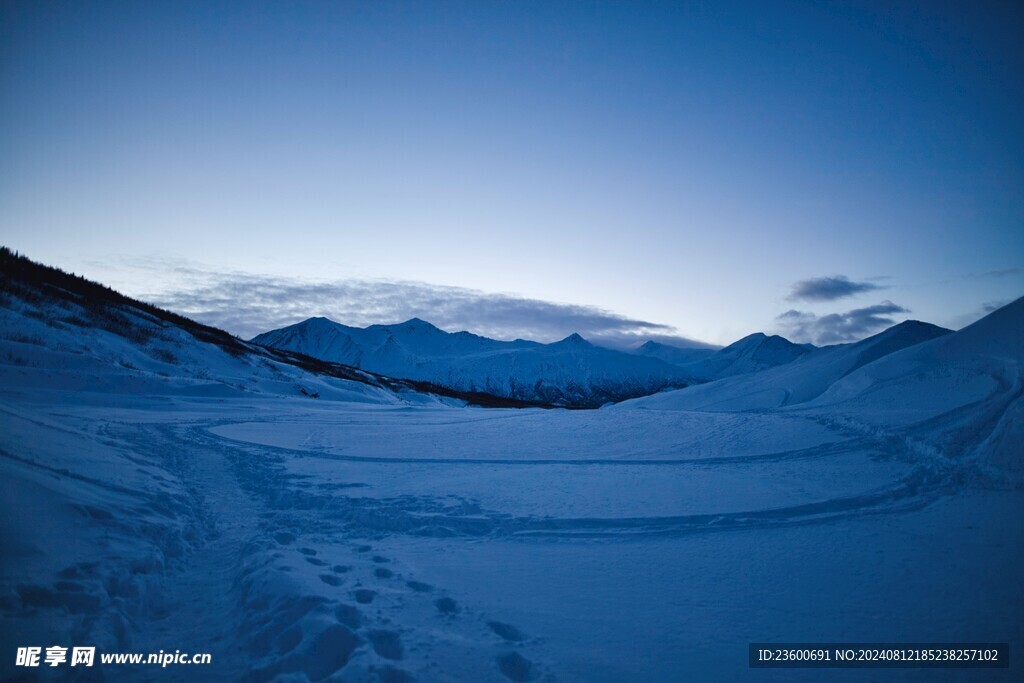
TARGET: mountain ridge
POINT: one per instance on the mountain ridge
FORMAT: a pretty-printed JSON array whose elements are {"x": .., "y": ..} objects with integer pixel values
[{"x": 572, "y": 372}]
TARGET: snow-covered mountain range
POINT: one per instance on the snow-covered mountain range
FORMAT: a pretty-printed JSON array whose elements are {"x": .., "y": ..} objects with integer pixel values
[{"x": 571, "y": 372}]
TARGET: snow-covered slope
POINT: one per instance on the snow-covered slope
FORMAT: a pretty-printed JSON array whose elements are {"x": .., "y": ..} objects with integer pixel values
[
  {"x": 64, "y": 332},
  {"x": 794, "y": 382},
  {"x": 571, "y": 372},
  {"x": 961, "y": 392}
]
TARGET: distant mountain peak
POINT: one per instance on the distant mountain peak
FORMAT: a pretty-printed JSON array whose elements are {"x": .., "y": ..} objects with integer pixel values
[
  {"x": 651, "y": 345},
  {"x": 760, "y": 338},
  {"x": 915, "y": 324},
  {"x": 575, "y": 339},
  {"x": 745, "y": 342},
  {"x": 912, "y": 329},
  {"x": 317, "y": 325},
  {"x": 412, "y": 325},
  {"x": 416, "y": 324}
]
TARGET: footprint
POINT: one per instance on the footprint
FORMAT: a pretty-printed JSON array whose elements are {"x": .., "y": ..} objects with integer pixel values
[
  {"x": 289, "y": 640},
  {"x": 307, "y": 551},
  {"x": 506, "y": 631},
  {"x": 516, "y": 667},
  {"x": 380, "y": 559},
  {"x": 331, "y": 579},
  {"x": 33, "y": 595},
  {"x": 78, "y": 571},
  {"x": 284, "y": 538},
  {"x": 364, "y": 596},
  {"x": 316, "y": 561},
  {"x": 364, "y": 548},
  {"x": 72, "y": 586},
  {"x": 386, "y": 643},
  {"x": 333, "y": 648},
  {"x": 341, "y": 569},
  {"x": 419, "y": 586},
  {"x": 383, "y": 573},
  {"x": 349, "y": 615},
  {"x": 447, "y": 606},
  {"x": 390, "y": 674}
]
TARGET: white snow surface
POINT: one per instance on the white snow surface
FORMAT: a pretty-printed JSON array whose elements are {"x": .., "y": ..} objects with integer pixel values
[{"x": 868, "y": 492}]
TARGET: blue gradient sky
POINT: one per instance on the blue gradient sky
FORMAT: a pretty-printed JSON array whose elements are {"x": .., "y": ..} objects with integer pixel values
[{"x": 683, "y": 164}]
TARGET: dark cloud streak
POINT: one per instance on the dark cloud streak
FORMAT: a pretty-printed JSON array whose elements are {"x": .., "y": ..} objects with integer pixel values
[
  {"x": 829, "y": 288},
  {"x": 836, "y": 328},
  {"x": 1004, "y": 272}
]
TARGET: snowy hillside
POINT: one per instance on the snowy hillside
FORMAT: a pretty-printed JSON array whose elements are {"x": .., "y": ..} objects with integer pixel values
[
  {"x": 958, "y": 394},
  {"x": 963, "y": 392},
  {"x": 797, "y": 381},
  {"x": 571, "y": 372},
  {"x": 67, "y": 333}
]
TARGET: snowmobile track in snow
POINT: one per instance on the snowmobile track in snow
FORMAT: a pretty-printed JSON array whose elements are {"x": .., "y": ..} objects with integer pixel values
[{"x": 428, "y": 516}]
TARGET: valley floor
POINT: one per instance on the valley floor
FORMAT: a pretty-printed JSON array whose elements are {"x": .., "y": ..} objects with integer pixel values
[{"x": 299, "y": 539}]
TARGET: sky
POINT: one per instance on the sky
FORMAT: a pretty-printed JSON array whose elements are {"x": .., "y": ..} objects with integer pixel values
[{"x": 678, "y": 171}]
